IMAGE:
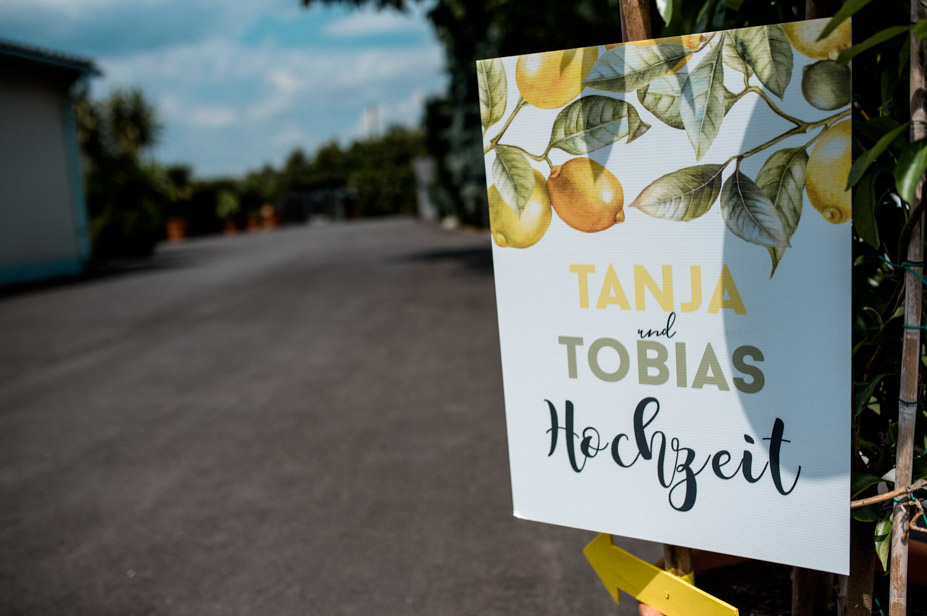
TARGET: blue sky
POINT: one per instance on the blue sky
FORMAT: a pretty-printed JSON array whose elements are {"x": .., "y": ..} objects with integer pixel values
[{"x": 240, "y": 83}]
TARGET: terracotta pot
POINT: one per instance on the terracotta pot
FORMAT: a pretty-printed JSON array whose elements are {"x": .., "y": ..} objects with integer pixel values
[{"x": 176, "y": 228}]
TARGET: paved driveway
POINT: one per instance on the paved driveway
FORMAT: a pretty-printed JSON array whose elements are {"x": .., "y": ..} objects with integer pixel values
[{"x": 307, "y": 421}]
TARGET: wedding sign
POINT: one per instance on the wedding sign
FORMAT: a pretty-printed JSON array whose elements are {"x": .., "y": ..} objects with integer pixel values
[{"x": 671, "y": 245}]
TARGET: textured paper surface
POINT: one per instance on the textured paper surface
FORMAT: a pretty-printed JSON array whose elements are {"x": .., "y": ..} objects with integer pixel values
[{"x": 744, "y": 382}]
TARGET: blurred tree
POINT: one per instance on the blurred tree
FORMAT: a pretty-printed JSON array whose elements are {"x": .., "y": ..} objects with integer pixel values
[
  {"x": 380, "y": 172},
  {"x": 228, "y": 206},
  {"x": 256, "y": 189},
  {"x": 122, "y": 188},
  {"x": 330, "y": 167},
  {"x": 202, "y": 211},
  {"x": 175, "y": 184},
  {"x": 374, "y": 175}
]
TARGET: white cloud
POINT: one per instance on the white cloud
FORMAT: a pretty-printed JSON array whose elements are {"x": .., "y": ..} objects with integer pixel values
[
  {"x": 376, "y": 118},
  {"x": 173, "y": 110},
  {"x": 285, "y": 81},
  {"x": 211, "y": 117},
  {"x": 272, "y": 106},
  {"x": 59, "y": 6},
  {"x": 289, "y": 137},
  {"x": 369, "y": 22},
  {"x": 276, "y": 70}
]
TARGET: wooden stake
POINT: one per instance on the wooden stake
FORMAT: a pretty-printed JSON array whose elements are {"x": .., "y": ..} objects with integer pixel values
[
  {"x": 678, "y": 561},
  {"x": 816, "y": 9},
  {"x": 911, "y": 347},
  {"x": 635, "y": 20},
  {"x": 636, "y": 26}
]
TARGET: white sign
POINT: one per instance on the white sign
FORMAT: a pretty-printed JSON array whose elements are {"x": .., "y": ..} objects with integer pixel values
[{"x": 672, "y": 268}]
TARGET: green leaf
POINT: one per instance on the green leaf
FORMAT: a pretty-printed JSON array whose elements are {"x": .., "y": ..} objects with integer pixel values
[
  {"x": 860, "y": 482},
  {"x": 883, "y": 540},
  {"x": 628, "y": 67},
  {"x": 782, "y": 179},
  {"x": 904, "y": 57},
  {"x": 513, "y": 176},
  {"x": 874, "y": 129},
  {"x": 920, "y": 29},
  {"x": 849, "y": 8},
  {"x": 730, "y": 99},
  {"x": 732, "y": 59},
  {"x": 661, "y": 98},
  {"x": 711, "y": 16},
  {"x": 869, "y": 513},
  {"x": 702, "y": 104},
  {"x": 494, "y": 89},
  {"x": 869, "y": 156},
  {"x": 910, "y": 168},
  {"x": 879, "y": 37},
  {"x": 920, "y": 467},
  {"x": 861, "y": 400},
  {"x": 769, "y": 54},
  {"x": 593, "y": 122},
  {"x": 750, "y": 215},
  {"x": 681, "y": 195},
  {"x": 775, "y": 255},
  {"x": 864, "y": 209},
  {"x": 665, "y": 8}
]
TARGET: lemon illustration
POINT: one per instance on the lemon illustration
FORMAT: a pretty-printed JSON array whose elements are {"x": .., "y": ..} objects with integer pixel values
[
  {"x": 826, "y": 85},
  {"x": 826, "y": 174},
  {"x": 689, "y": 41},
  {"x": 804, "y": 37},
  {"x": 552, "y": 79},
  {"x": 514, "y": 231},
  {"x": 586, "y": 195}
]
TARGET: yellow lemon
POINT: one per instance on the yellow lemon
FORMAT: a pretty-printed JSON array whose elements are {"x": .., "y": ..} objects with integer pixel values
[
  {"x": 826, "y": 174},
  {"x": 514, "y": 231},
  {"x": 804, "y": 37},
  {"x": 552, "y": 79},
  {"x": 586, "y": 195}
]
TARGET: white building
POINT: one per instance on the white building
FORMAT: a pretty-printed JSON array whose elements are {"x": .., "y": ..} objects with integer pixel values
[{"x": 43, "y": 217}]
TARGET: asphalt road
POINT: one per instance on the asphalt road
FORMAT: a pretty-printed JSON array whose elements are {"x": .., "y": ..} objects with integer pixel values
[{"x": 305, "y": 421}]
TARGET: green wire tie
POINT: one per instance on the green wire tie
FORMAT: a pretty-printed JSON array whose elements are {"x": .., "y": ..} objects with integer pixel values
[{"x": 908, "y": 266}]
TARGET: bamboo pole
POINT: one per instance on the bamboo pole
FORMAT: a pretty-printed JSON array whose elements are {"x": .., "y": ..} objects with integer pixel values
[{"x": 911, "y": 347}]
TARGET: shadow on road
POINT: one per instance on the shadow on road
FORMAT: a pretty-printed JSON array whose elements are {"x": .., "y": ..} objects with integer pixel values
[
  {"x": 478, "y": 260},
  {"x": 176, "y": 257}
]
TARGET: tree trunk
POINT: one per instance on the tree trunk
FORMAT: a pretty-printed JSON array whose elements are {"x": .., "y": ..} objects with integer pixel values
[{"x": 812, "y": 592}]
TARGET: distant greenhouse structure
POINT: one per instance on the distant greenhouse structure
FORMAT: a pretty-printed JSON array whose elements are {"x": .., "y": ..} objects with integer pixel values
[{"x": 43, "y": 217}]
